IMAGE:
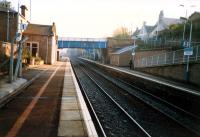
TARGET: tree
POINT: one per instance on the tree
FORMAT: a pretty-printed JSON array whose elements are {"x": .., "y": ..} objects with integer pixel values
[{"x": 122, "y": 33}]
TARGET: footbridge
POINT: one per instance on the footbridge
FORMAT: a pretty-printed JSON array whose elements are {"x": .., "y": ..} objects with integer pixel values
[{"x": 82, "y": 43}]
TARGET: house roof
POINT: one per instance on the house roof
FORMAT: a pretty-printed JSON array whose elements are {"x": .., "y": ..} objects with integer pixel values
[
  {"x": 125, "y": 49},
  {"x": 194, "y": 16},
  {"x": 3, "y": 9},
  {"x": 170, "y": 21},
  {"x": 137, "y": 31},
  {"x": 38, "y": 29},
  {"x": 149, "y": 28}
]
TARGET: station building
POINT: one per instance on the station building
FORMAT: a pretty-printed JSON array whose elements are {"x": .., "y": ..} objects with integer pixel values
[{"x": 42, "y": 42}]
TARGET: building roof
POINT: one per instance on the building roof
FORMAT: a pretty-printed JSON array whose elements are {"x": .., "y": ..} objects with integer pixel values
[
  {"x": 4, "y": 9},
  {"x": 149, "y": 28},
  {"x": 194, "y": 16},
  {"x": 137, "y": 31},
  {"x": 170, "y": 21},
  {"x": 38, "y": 29},
  {"x": 125, "y": 49}
]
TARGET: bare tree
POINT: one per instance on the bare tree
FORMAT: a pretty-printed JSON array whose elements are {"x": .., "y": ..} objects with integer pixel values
[{"x": 122, "y": 33}]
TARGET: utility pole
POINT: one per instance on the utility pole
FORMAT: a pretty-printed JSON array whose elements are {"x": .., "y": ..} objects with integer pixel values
[
  {"x": 188, "y": 56},
  {"x": 8, "y": 24},
  {"x": 30, "y": 9}
]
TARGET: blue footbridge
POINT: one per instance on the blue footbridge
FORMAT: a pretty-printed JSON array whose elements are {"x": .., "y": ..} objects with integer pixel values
[
  {"x": 91, "y": 47},
  {"x": 82, "y": 43}
]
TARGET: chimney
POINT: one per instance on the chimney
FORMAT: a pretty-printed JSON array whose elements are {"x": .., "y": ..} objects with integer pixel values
[{"x": 24, "y": 10}]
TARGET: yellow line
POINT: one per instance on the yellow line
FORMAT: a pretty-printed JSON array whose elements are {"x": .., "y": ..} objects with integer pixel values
[{"x": 20, "y": 121}]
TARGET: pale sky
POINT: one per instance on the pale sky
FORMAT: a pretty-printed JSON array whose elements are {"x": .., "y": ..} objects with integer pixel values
[{"x": 99, "y": 18}]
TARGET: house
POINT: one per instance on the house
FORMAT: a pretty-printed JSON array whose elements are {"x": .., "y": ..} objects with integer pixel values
[
  {"x": 114, "y": 44},
  {"x": 42, "y": 41},
  {"x": 144, "y": 32},
  {"x": 122, "y": 56},
  {"x": 12, "y": 22},
  {"x": 195, "y": 16},
  {"x": 162, "y": 24}
]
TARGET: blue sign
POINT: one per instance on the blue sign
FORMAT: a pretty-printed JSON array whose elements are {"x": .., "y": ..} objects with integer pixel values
[{"x": 188, "y": 51}]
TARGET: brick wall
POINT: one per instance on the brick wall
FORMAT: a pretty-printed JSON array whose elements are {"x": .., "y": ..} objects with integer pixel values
[
  {"x": 176, "y": 72},
  {"x": 3, "y": 26},
  {"x": 5, "y": 49},
  {"x": 44, "y": 50}
]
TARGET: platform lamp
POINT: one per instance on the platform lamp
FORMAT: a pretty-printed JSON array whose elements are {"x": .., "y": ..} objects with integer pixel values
[
  {"x": 189, "y": 43},
  {"x": 30, "y": 9}
]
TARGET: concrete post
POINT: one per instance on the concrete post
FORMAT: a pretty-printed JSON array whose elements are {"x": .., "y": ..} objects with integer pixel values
[
  {"x": 11, "y": 61},
  {"x": 18, "y": 62},
  {"x": 157, "y": 59},
  {"x": 173, "y": 61},
  {"x": 8, "y": 25},
  {"x": 197, "y": 52}
]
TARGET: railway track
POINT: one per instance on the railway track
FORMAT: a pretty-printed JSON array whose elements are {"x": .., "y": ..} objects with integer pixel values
[
  {"x": 183, "y": 117},
  {"x": 113, "y": 118},
  {"x": 153, "y": 121}
]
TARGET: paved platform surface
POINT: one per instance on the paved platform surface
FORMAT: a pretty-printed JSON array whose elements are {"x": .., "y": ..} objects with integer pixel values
[
  {"x": 8, "y": 89},
  {"x": 178, "y": 85},
  {"x": 75, "y": 120}
]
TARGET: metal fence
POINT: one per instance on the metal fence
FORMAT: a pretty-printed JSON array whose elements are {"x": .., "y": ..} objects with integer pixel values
[
  {"x": 159, "y": 44},
  {"x": 169, "y": 58}
]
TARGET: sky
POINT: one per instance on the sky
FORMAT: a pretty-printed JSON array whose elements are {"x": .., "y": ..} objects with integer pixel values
[{"x": 99, "y": 18}]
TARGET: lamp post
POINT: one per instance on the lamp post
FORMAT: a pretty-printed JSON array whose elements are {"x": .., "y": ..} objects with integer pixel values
[
  {"x": 8, "y": 24},
  {"x": 30, "y": 9},
  {"x": 184, "y": 23},
  {"x": 189, "y": 45}
]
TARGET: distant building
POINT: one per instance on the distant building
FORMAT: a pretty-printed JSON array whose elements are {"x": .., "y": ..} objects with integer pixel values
[
  {"x": 122, "y": 56},
  {"x": 144, "y": 32},
  {"x": 148, "y": 32},
  {"x": 195, "y": 16},
  {"x": 12, "y": 22},
  {"x": 42, "y": 41},
  {"x": 163, "y": 23}
]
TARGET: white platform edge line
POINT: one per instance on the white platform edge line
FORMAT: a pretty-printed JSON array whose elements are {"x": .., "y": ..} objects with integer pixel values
[
  {"x": 147, "y": 78},
  {"x": 91, "y": 131}
]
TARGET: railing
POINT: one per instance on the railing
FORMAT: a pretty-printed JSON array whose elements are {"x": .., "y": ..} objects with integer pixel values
[
  {"x": 169, "y": 58},
  {"x": 159, "y": 44}
]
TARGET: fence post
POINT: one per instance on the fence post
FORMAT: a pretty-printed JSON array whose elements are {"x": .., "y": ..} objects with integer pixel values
[
  {"x": 11, "y": 61},
  {"x": 146, "y": 62},
  {"x": 165, "y": 58},
  {"x": 197, "y": 52},
  {"x": 173, "y": 57},
  {"x": 151, "y": 60},
  {"x": 157, "y": 59}
]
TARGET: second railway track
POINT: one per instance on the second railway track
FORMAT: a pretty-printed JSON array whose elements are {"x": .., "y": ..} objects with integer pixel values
[{"x": 153, "y": 122}]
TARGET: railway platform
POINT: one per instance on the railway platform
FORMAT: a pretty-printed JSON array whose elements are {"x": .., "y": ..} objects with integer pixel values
[
  {"x": 75, "y": 119},
  {"x": 46, "y": 102},
  {"x": 8, "y": 90},
  {"x": 173, "y": 84}
]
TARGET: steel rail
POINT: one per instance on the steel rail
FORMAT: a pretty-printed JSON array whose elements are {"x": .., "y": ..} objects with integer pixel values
[
  {"x": 90, "y": 105},
  {"x": 120, "y": 107},
  {"x": 171, "y": 105}
]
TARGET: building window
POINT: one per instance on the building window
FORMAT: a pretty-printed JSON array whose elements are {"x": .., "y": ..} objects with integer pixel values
[{"x": 33, "y": 48}]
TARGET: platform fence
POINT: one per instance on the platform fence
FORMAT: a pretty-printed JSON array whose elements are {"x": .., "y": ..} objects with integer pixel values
[{"x": 169, "y": 58}]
